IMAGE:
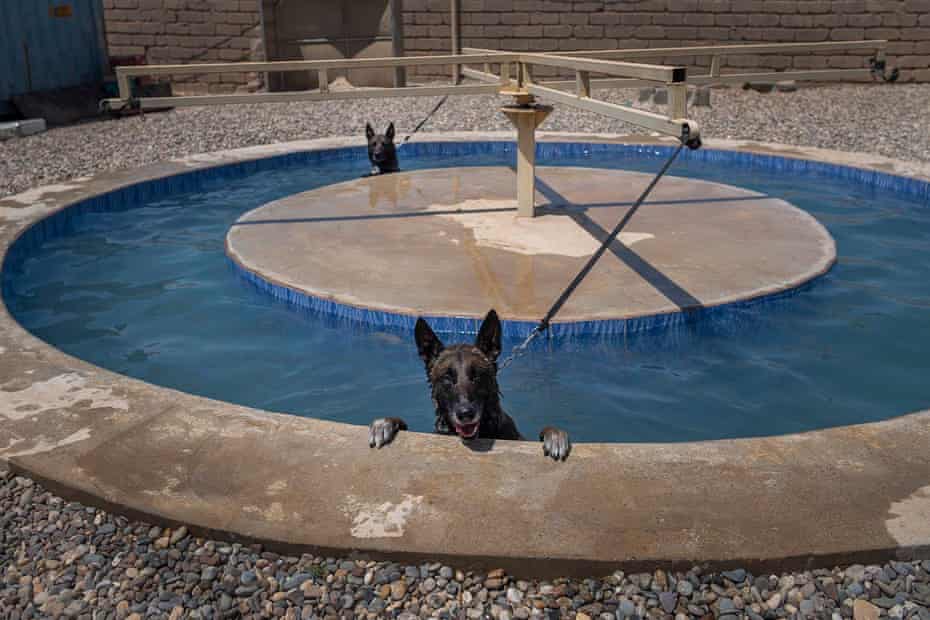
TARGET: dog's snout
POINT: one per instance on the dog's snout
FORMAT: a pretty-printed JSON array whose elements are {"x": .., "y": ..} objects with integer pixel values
[{"x": 465, "y": 412}]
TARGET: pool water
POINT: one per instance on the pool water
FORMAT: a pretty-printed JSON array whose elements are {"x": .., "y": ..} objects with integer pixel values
[{"x": 148, "y": 292}]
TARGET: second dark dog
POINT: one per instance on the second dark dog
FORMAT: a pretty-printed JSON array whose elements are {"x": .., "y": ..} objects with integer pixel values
[
  {"x": 381, "y": 150},
  {"x": 463, "y": 380}
]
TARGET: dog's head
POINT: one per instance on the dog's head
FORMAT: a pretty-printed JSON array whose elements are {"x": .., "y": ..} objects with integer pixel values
[
  {"x": 463, "y": 377},
  {"x": 380, "y": 145}
]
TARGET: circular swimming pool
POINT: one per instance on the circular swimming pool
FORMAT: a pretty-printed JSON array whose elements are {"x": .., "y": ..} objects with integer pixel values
[{"x": 138, "y": 282}]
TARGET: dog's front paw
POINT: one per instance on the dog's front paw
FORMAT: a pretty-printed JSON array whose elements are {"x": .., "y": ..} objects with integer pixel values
[
  {"x": 556, "y": 443},
  {"x": 383, "y": 430}
]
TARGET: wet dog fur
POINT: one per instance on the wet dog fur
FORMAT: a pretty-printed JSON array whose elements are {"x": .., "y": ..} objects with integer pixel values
[
  {"x": 381, "y": 150},
  {"x": 466, "y": 397}
]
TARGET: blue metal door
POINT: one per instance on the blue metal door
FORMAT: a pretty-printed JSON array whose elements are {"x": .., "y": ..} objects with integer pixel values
[{"x": 47, "y": 44}]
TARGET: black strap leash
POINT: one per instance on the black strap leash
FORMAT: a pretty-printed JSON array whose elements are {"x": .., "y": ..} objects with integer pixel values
[
  {"x": 424, "y": 121},
  {"x": 545, "y": 322}
]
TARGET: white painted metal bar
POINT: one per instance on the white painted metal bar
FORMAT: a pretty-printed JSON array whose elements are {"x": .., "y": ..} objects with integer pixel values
[
  {"x": 656, "y": 73},
  {"x": 648, "y": 120},
  {"x": 313, "y": 65},
  {"x": 280, "y": 97},
  {"x": 397, "y": 41},
  {"x": 481, "y": 76},
  {"x": 726, "y": 50},
  {"x": 526, "y": 165},
  {"x": 677, "y": 101},
  {"x": 583, "y": 83},
  {"x": 125, "y": 88},
  {"x": 526, "y": 70},
  {"x": 816, "y": 75},
  {"x": 456, "y": 48},
  {"x": 505, "y": 74}
]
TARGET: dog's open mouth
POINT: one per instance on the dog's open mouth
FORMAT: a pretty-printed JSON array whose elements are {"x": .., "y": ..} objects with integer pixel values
[{"x": 467, "y": 431}]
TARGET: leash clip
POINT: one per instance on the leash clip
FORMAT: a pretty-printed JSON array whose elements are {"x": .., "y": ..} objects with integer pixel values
[{"x": 686, "y": 139}]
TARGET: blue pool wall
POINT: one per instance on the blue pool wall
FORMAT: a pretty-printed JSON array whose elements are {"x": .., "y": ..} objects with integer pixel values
[{"x": 66, "y": 220}]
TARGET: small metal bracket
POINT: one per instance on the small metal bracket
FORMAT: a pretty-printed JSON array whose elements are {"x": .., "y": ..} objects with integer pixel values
[
  {"x": 693, "y": 142},
  {"x": 521, "y": 98},
  {"x": 131, "y": 105}
]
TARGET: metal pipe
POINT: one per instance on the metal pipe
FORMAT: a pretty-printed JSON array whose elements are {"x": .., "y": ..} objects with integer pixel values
[
  {"x": 583, "y": 83},
  {"x": 147, "y": 103},
  {"x": 649, "y": 120},
  {"x": 677, "y": 101},
  {"x": 657, "y": 73},
  {"x": 312, "y": 65},
  {"x": 397, "y": 41},
  {"x": 456, "y": 44},
  {"x": 727, "y": 50},
  {"x": 263, "y": 24}
]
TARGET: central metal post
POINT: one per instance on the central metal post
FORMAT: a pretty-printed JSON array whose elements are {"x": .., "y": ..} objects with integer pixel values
[
  {"x": 526, "y": 117},
  {"x": 526, "y": 164}
]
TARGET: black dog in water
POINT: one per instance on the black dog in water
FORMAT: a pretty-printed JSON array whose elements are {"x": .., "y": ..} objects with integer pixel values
[
  {"x": 463, "y": 378},
  {"x": 381, "y": 151}
]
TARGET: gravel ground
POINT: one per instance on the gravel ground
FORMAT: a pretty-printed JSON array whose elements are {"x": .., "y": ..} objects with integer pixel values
[
  {"x": 61, "y": 559},
  {"x": 885, "y": 119}
]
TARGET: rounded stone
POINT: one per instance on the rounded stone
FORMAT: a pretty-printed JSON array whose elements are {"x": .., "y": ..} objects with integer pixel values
[
  {"x": 428, "y": 585},
  {"x": 398, "y": 590}
]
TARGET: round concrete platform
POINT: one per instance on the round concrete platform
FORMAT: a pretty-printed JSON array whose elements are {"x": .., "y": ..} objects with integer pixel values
[{"x": 447, "y": 242}]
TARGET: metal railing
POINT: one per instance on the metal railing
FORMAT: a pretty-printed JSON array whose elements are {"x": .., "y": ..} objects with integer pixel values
[
  {"x": 490, "y": 83},
  {"x": 514, "y": 76},
  {"x": 716, "y": 54},
  {"x": 321, "y": 67}
]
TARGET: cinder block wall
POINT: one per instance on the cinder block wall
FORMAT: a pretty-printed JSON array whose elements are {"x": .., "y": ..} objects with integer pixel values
[
  {"x": 187, "y": 31},
  {"x": 551, "y": 25}
]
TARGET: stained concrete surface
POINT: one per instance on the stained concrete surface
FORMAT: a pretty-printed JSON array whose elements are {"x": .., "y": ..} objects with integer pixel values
[{"x": 448, "y": 242}]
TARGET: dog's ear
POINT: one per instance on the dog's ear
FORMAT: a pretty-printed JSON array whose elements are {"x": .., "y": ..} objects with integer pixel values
[
  {"x": 389, "y": 134},
  {"x": 489, "y": 336},
  {"x": 429, "y": 346},
  {"x": 369, "y": 132}
]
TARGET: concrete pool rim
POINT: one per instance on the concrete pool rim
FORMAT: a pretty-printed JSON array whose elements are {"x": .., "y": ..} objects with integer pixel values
[{"x": 851, "y": 493}]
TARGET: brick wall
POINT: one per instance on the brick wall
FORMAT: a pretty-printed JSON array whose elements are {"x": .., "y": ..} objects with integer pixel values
[
  {"x": 551, "y": 25},
  {"x": 187, "y": 31}
]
